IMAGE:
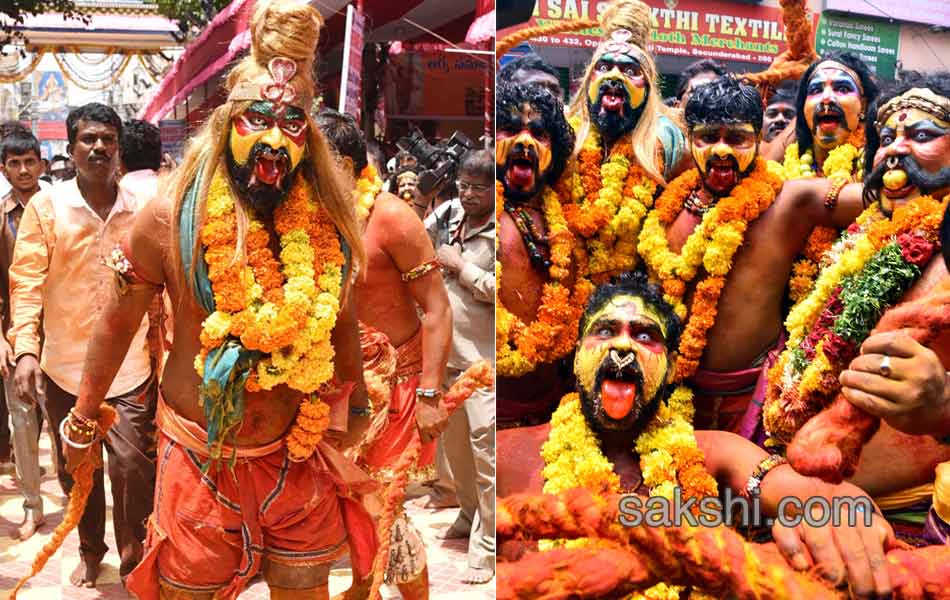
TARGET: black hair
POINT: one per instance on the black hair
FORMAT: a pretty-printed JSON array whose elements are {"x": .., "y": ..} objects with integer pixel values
[
  {"x": 528, "y": 62},
  {"x": 19, "y": 142},
  {"x": 343, "y": 133},
  {"x": 9, "y": 127},
  {"x": 374, "y": 150},
  {"x": 141, "y": 146},
  {"x": 635, "y": 283},
  {"x": 724, "y": 100},
  {"x": 479, "y": 162},
  {"x": 694, "y": 69},
  {"x": 509, "y": 100},
  {"x": 100, "y": 113},
  {"x": 848, "y": 59},
  {"x": 939, "y": 82},
  {"x": 786, "y": 92}
]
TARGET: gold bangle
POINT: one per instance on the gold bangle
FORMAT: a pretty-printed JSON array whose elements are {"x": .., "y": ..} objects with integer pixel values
[{"x": 831, "y": 197}]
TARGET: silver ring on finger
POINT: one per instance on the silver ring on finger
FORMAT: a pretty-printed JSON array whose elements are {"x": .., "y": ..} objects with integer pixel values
[{"x": 885, "y": 368}]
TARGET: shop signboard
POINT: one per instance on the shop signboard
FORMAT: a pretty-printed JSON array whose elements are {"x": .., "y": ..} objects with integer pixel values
[
  {"x": 915, "y": 11},
  {"x": 693, "y": 28},
  {"x": 174, "y": 133},
  {"x": 876, "y": 42}
]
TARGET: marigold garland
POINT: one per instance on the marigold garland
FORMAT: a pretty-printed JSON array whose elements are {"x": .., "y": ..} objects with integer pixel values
[
  {"x": 844, "y": 162},
  {"x": 669, "y": 458},
  {"x": 521, "y": 347},
  {"x": 868, "y": 269},
  {"x": 712, "y": 245},
  {"x": 368, "y": 186},
  {"x": 605, "y": 204},
  {"x": 286, "y": 309}
]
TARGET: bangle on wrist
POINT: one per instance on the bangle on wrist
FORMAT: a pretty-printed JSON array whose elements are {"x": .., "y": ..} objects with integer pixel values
[
  {"x": 69, "y": 442},
  {"x": 831, "y": 198},
  {"x": 361, "y": 411},
  {"x": 753, "y": 486},
  {"x": 428, "y": 393}
]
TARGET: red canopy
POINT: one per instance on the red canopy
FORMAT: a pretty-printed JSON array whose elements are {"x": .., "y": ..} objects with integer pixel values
[{"x": 226, "y": 37}]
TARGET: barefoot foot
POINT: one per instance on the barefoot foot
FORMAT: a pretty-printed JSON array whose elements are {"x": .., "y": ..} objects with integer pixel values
[
  {"x": 455, "y": 532},
  {"x": 474, "y": 575},
  {"x": 86, "y": 573},
  {"x": 26, "y": 530},
  {"x": 434, "y": 502}
]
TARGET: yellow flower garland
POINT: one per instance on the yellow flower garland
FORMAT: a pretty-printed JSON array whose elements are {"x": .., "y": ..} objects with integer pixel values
[
  {"x": 608, "y": 218},
  {"x": 521, "y": 347},
  {"x": 712, "y": 245},
  {"x": 368, "y": 186},
  {"x": 844, "y": 162},
  {"x": 289, "y": 323},
  {"x": 669, "y": 458}
]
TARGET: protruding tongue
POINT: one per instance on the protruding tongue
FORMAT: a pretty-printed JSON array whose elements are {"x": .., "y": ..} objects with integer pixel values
[
  {"x": 828, "y": 125},
  {"x": 722, "y": 177},
  {"x": 267, "y": 171},
  {"x": 521, "y": 175},
  {"x": 612, "y": 102},
  {"x": 617, "y": 397}
]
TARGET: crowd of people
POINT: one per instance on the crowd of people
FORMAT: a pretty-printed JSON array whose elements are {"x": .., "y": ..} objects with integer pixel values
[{"x": 735, "y": 290}]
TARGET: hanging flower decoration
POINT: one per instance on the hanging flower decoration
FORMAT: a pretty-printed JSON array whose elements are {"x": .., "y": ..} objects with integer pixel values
[
  {"x": 368, "y": 186},
  {"x": 521, "y": 347},
  {"x": 284, "y": 309},
  {"x": 605, "y": 204},
  {"x": 867, "y": 270}
]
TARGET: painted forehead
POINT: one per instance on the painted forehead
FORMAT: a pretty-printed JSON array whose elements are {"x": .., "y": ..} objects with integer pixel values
[
  {"x": 912, "y": 116},
  {"x": 519, "y": 116},
  {"x": 267, "y": 109},
  {"x": 619, "y": 58},
  {"x": 625, "y": 307},
  {"x": 744, "y": 126},
  {"x": 834, "y": 71}
]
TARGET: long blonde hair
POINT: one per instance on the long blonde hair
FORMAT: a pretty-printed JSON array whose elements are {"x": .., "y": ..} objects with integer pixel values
[
  {"x": 278, "y": 28},
  {"x": 634, "y": 16}
]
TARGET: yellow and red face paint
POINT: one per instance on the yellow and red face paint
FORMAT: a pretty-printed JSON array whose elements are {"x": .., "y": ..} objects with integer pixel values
[
  {"x": 259, "y": 123},
  {"x": 720, "y": 141},
  {"x": 622, "y": 68},
  {"x": 505, "y": 144}
]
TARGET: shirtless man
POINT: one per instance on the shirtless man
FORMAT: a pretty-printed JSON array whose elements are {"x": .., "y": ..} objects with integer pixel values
[
  {"x": 627, "y": 342},
  {"x": 908, "y": 157},
  {"x": 400, "y": 276},
  {"x": 533, "y": 142},
  {"x": 250, "y": 387},
  {"x": 750, "y": 245}
]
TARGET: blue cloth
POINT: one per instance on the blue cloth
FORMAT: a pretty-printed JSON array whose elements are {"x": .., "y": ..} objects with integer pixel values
[{"x": 674, "y": 144}]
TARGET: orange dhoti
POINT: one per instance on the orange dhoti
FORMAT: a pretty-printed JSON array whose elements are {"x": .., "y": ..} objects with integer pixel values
[
  {"x": 395, "y": 422},
  {"x": 392, "y": 376},
  {"x": 215, "y": 531}
]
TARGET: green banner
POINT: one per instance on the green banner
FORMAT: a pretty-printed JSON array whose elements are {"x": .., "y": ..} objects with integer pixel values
[{"x": 875, "y": 42}]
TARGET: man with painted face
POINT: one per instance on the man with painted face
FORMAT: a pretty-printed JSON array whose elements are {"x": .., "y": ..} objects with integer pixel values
[
  {"x": 400, "y": 280},
  {"x": 533, "y": 142},
  {"x": 256, "y": 243},
  {"x": 626, "y": 430},
  {"x": 831, "y": 107},
  {"x": 887, "y": 374},
  {"x": 722, "y": 246},
  {"x": 620, "y": 123}
]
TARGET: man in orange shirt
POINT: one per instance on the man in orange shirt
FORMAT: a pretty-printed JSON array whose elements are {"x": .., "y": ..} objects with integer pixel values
[{"x": 59, "y": 283}]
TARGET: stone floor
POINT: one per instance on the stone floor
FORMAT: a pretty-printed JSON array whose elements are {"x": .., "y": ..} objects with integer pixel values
[{"x": 446, "y": 558}]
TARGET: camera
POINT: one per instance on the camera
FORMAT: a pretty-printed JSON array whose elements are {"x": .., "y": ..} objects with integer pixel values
[{"x": 439, "y": 163}]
